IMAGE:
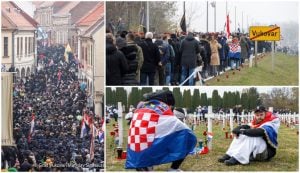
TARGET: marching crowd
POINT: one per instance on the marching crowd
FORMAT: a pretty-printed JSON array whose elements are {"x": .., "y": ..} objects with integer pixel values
[
  {"x": 172, "y": 59},
  {"x": 48, "y": 108}
]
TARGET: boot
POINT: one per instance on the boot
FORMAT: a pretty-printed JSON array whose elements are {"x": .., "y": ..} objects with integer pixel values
[
  {"x": 232, "y": 161},
  {"x": 224, "y": 158}
]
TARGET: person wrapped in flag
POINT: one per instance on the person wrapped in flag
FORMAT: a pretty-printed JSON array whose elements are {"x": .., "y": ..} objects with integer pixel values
[
  {"x": 234, "y": 53},
  {"x": 254, "y": 142},
  {"x": 156, "y": 136}
]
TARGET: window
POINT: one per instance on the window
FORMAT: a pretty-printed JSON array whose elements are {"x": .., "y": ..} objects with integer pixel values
[
  {"x": 18, "y": 46},
  {"x": 5, "y": 44},
  {"x": 21, "y": 47},
  {"x": 85, "y": 50},
  {"x": 26, "y": 52},
  {"x": 29, "y": 45},
  {"x": 33, "y": 45},
  {"x": 92, "y": 55}
]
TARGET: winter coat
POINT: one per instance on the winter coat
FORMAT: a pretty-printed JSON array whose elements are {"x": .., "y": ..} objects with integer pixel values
[
  {"x": 116, "y": 65},
  {"x": 151, "y": 56},
  {"x": 244, "y": 48},
  {"x": 176, "y": 46},
  {"x": 214, "y": 46},
  {"x": 134, "y": 56},
  {"x": 164, "y": 51},
  {"x": 207, "y": 52},
  {"x": 189, "y": 49},
  {"x": 222, "y": 51}
]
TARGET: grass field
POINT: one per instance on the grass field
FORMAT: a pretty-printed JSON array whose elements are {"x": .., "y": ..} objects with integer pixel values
[
  {"x": 285, "y": 72},
  {"x": 286, "y": 159}
]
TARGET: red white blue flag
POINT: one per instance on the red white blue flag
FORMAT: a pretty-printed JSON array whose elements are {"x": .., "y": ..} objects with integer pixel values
[{"x": 156, "y": 136}]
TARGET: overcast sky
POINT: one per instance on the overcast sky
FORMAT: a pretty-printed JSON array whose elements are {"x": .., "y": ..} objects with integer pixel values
[{"x": 264, "y": 12}]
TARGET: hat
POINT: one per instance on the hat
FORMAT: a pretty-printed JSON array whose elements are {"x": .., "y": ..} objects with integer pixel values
[
  {"x": 165, "y": 96},
  {"x": 260, "y": 109},
  {"x": 120, "y": 42}
]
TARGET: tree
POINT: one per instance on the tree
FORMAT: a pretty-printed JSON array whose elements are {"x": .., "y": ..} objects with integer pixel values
[
  {"x": 178, "y": 97},
  {"x": 109, "y": 95},
  {"x": 225, "y": 100},
  {"x": 237, "y": 98},
  {"x": 244, "y": 101},
  {"x": 160, "y": 17},
  {"x": 253, "y": 98},
  {"x": 187, "y": 99},
  {"x": 231, "y": 98},
  {"x": 203, "y": 99},
  {"x": 146, "y": 90},
  {"x": 196, "y": 99},
  {"x": 121, "y": 96},
  {"x": 215, "y": 99},
  {"x": 134, "y": 97}
]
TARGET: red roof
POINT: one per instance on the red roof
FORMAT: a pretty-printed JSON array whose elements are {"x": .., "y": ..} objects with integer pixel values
[
  {"x": 93, "y": 16},
  {"x": 17, "y": 17},
  {"x": 6, "y": 23}
]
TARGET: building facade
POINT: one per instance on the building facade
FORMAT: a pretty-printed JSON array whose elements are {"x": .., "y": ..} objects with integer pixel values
[
  {"x": 19, "y": 39},
  {"x": 91, "y": 54},
  {"x": 58, "y": 18}
]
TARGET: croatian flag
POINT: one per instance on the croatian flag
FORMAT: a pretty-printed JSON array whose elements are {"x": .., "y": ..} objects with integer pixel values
[
  {"x": 85, "y": 123},
  {"x": 234, "y": 50},
  {"x": 209, "y": 136},
  {"x": 270, "y": 124},
  {"x": 156, "y": 136}
]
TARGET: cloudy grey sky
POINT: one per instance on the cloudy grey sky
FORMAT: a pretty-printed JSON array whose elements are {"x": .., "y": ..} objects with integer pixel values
[{"x": 263, "y": 12}]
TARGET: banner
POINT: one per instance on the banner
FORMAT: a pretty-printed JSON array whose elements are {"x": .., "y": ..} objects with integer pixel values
[
  {"x": 7, "y": 109},
  {"x": 183, "y": 23}
]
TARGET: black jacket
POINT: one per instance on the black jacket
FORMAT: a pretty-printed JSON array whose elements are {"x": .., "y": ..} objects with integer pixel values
[
  {"x": 116, "y": 65},
  {"x": 130, "y": 53},
  {"x": 151, "y": 56},
  {"x": 207, "y": 52},
  {"x": 189, "y": 49}
]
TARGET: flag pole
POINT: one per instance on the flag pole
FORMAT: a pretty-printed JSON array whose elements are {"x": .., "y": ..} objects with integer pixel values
[
  {"x": 184, "y": 10},
  {"x": 226, "y": 9},
  {"x": 215, "y": 16},
  {"x": 235, "y": 18},
  {"x": 207, "y": 16},
  {"x": 148, "y": 29}
]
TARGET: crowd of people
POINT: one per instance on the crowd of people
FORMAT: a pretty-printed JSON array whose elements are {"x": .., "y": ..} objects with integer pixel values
[
  {"x": 48, "y": 108},
  {"x": 172, "y": 59}
]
